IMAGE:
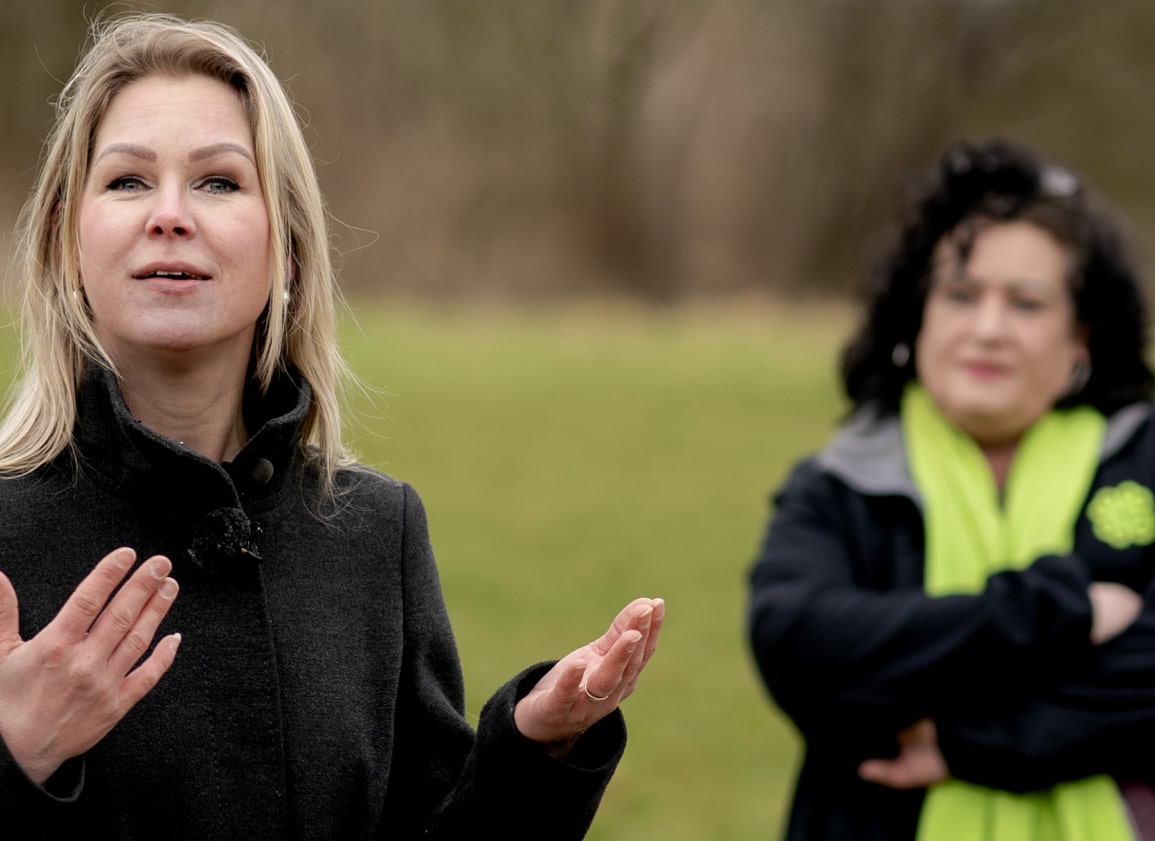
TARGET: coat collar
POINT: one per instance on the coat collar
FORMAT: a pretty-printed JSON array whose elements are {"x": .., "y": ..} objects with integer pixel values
[
  {"x": 142, "y": 462},
  {"x": 164, "y": 478},
  {"x": 868, "y": 452}
]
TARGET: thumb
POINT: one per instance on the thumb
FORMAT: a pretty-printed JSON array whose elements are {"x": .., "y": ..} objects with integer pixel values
[{"x": 9, "y": 615}]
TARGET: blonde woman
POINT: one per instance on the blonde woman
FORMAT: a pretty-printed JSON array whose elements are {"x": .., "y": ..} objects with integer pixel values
[{"x": 180, "y": 407}]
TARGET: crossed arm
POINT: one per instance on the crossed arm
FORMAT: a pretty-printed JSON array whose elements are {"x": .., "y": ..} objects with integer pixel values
[
  {"x": 1078, "y": 728},
  {"x": 856, "y": 661}
]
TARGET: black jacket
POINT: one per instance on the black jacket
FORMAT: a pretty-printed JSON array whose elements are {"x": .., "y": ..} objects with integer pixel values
[
  {"x": 853, "y": 649},
  {"x": 317, "y": 693}
]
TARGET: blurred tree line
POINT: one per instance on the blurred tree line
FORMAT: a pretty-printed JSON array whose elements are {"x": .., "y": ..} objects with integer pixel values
[{"x": 657, "y": 148}]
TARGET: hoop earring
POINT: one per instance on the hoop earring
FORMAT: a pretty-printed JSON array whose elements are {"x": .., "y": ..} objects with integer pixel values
[{"x": 900, "y": 355}]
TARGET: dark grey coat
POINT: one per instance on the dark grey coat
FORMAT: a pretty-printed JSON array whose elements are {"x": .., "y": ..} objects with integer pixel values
[
  {"x": 853, "y": 649},
  {"x": 317, "y": 693}
]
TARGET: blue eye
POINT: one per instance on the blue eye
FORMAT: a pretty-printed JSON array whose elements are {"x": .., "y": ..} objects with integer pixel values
[
  {"x": 220, "y": 184},
  {"x": 126, "y": 184}
]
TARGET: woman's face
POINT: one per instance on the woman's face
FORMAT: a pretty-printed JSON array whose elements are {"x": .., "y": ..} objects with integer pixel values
[
  {"x": 174, "y": 232},
  {"x": 999, "y": 338}
]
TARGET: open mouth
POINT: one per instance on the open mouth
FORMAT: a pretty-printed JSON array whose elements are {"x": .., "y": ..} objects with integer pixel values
[{"x": 167, "y": 275}]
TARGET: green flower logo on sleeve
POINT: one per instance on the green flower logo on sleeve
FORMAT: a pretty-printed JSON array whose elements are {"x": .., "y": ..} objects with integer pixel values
[{"x": 1123, "y": 515}]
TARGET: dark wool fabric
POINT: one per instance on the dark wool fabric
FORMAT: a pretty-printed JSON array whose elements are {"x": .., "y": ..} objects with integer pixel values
[
  {"x": 317, "y": 693},
  {"x": 853, "y": 650}
]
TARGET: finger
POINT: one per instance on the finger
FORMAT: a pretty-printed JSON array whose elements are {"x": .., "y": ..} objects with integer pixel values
[
  {"x": 9, "y": 614},
  {"x": 626, "y": 619},
  {"x": 649, "y": 626},
  {"x": 144, "y": 677},
  {"x": 90, "y": 596},
  {"x": 137, "y": 640},
  {"x": 894, "y": 773},
  {"x": 659, "y": 617},
  {"x": 881, "y": 771},
  {"x": 568, "y": 689},
  {"x": 606, "y": 679},
  {"x": 122, "y": 613},
  {"x": 634, "y": 662},
  {"x": 908, "y": 770}
]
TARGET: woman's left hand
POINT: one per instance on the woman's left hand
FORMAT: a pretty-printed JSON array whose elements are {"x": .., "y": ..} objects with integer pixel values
[
  {"x": 588, "y": 684},
  {"x": 919, "y": 763}
]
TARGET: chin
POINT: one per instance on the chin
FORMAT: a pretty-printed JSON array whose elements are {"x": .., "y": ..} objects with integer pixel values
[
  {"x": 993, "y": 425},
  {"x": 174, "y": 343}
]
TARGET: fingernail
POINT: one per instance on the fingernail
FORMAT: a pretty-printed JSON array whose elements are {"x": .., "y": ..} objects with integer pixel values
[
  {"x": 174, "y": 642},
  {"x": 159, "y": 567},
  {"x": 169, "y": 588},
  {"x": 125, "y": 557}
]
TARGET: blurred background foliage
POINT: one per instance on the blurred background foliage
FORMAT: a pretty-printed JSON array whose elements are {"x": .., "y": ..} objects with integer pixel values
[{"x": 661, "y": 149}]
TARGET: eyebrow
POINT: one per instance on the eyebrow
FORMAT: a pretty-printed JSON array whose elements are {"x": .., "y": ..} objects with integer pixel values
[
  {"x": 1015, "y": 284},
  {"x": 128, "y": 149},
  {"x": 219, "y": 149},
  {"x": 200, "y": 154}
]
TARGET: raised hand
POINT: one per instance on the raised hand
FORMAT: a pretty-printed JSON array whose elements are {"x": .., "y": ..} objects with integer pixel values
[
  {"x": 588, "y": 684},
  {"x": 63, "y": 690}
]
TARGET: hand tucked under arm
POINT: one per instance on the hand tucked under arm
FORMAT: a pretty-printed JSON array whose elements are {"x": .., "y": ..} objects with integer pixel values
[
  {"x": 919, "y": 763},
  {"x": 63, "y": 690},
  {"x": 588, "y": 684},
  {"x": 1113, "y": 609}
]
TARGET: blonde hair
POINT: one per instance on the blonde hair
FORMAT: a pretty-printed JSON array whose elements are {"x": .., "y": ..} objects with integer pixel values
[{"x": 298, "y": 329}]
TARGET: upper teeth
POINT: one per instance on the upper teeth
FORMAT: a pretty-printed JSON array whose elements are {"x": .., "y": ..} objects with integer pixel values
[{"x": 163, "y": 273}]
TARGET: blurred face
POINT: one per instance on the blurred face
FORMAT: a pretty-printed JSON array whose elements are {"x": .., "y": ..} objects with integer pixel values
[
  {"x": 999, "y": 338},
  {"x": 174, "y": 233}
]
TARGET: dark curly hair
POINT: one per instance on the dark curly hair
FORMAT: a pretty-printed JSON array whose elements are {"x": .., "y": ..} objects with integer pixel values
[{"x": 1001, "y": 181}]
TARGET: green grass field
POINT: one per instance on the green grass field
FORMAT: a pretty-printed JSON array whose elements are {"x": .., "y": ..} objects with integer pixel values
[{"x": 571, "y": 460}]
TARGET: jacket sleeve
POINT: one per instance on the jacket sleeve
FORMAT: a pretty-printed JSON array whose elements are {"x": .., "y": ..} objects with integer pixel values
[
  {"x": 51, "y": 808},
  {"x": 1100, "y": 721},
  {"x": 448, "y": 783},
  {"x": 847, "y": 651}
]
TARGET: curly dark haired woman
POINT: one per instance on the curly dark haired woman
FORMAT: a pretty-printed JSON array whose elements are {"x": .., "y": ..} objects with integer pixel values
[{"x": 947, "y": 599}]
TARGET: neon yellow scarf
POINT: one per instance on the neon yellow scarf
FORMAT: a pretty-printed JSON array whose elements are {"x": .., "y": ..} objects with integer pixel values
[{"x": 969, "y": 536}]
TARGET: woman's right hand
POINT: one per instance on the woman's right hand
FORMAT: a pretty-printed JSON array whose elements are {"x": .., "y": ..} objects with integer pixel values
[
  {"x": 63, "y": 690},
  {"x": 1113, "y": 609}
]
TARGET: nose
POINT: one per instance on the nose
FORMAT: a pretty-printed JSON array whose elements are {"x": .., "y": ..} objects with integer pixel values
[
  {"x": 170, "y": 214},
  {"x": 990, "y": 321}
]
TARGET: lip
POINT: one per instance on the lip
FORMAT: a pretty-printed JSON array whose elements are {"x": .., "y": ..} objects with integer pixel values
[
  {"x": 148, "y": 272},
  {"x": 984, "y": 370}
]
